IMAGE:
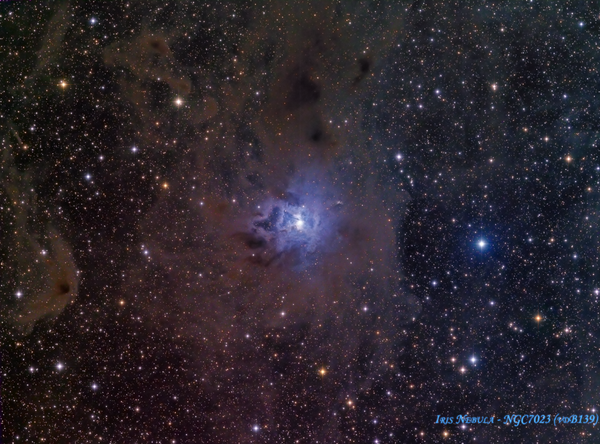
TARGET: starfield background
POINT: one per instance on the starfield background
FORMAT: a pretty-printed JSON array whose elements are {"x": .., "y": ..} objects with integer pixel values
[{"x": 298, "y": 222}]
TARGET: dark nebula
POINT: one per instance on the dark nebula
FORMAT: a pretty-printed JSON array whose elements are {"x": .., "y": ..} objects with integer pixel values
[{"x": 298, "y": 222}]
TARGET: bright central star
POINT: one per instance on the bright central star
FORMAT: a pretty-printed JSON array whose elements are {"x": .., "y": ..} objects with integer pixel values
[{"x": 481, "y": 243}]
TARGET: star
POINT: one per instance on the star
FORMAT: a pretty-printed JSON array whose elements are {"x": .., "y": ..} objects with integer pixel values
[{"x": 226, "y": 205}]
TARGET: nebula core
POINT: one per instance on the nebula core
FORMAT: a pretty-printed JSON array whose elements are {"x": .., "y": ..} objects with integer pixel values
[{"x": 298, "y": 222}]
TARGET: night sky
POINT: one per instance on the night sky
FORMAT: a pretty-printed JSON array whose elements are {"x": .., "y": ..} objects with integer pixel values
[{"x": 298, "y": 221}]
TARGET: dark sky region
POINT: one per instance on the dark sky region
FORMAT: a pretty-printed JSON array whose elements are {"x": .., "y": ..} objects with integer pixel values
[{"x": 299, "y": 222}]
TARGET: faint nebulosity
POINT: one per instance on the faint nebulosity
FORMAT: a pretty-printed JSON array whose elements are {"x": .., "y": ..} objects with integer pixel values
[
  {"x": 40, "y": 265},
  {"x": 315, "y": 221}
]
